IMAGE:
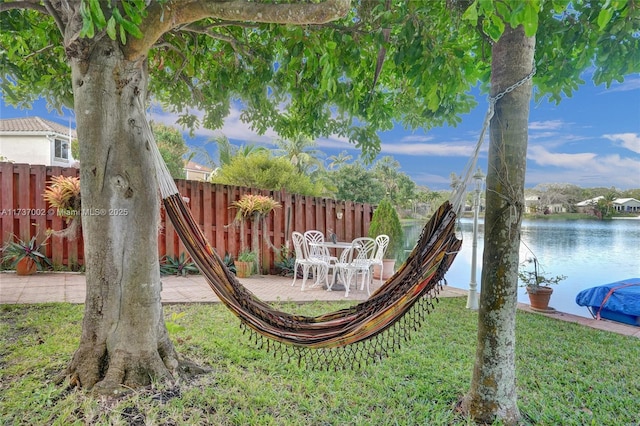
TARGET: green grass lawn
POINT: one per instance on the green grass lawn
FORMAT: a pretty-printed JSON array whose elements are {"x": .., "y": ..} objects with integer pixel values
[{"x": 567, "y": 375}]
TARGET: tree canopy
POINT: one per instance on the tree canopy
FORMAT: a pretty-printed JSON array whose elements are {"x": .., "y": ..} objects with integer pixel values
[
  {"x": 264, "y": 171},
  {"x": 172, "y": 147}
]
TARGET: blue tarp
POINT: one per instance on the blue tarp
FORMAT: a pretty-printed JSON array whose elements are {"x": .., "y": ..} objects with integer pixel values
[{"x": 621, "y": 298}]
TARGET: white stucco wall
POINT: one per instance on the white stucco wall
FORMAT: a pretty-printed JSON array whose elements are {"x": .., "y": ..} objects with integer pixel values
[
  {"x": 32, "y": 149},
  {"x": 26, "y": 149}
]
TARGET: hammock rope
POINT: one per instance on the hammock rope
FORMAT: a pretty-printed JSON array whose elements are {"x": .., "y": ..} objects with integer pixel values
[{"x": 352, "y": 336}]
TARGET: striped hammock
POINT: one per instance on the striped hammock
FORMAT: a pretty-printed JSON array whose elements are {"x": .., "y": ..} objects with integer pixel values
[
  {"x": 322, "y": 340},
  {"x": 347, "y": 337}
]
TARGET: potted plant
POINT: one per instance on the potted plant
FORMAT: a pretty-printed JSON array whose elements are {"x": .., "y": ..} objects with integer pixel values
[
  {"x": 245, "y": 262},
  {"x": 25, "y": 256},
  {"x": 537, "y": 286},
  {"x": 385, "y": 221}
]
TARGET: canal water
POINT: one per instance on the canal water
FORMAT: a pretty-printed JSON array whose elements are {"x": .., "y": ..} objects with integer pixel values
[{"x": 588, "y": 252}]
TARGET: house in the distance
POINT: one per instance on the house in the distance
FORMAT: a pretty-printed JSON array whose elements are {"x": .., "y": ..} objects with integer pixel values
[
  {"x": 195, "y": 171},
  {"x": 533, "y": 205},
  {"x": 620, "y": 205},
  {"x": 34, "y": 140},
  {"x": 626, "y": 205},
  {"x": 587, "y": 206}
]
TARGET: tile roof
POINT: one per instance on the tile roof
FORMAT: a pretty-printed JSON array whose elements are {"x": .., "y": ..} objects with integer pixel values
[
  {"x": 33, "y": 124},
  {"x": 191, "y": 165}
]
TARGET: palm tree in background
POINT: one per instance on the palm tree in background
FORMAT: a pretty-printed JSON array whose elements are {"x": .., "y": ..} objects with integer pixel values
[
  {"x": 337, "y": 161},
  {"x": 301, "y": 151}
]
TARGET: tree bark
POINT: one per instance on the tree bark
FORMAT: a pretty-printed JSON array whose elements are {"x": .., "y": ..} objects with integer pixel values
[
  {"x": 124, "y": 338},
  {"x": 492, "y": 395}
]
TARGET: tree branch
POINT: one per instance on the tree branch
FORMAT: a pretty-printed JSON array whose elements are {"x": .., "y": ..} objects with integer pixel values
[
  {"x": 235, "y": 45},
  {"x": 24, "y": 4},
  {"x": 37, "y": 52},
  {"x": 163, "y": 17},
  {"x": 242, "y": 10},
  {"x": 56, "y": 16}
]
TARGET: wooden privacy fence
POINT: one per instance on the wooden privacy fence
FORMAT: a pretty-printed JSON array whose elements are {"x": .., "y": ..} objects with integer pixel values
[{"x": 25, "y": 213}]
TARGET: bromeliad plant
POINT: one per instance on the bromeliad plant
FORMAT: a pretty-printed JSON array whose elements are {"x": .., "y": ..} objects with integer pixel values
[
  {"x": 252, "y": 206},
  {"x": 63, "y": 194},
  {"x": 17, "y": 249},
  {"x": 180, "y": 266},
  {"x": 286, "y": 265},
  {"x": 228, "y": 261},
  {"x": 256, "y": 208}
]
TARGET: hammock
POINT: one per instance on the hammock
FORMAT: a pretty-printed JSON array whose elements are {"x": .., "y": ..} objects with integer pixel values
[
  {"x": 347, "y": 337},
  {"x": 417, "y": 281}
]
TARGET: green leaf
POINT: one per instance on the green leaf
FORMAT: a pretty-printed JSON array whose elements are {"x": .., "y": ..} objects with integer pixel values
[
  {"x": 131, "y": 28},
  {"x": 493, "y": 27},
  {"x": 132, "y": 12},
  {"x": 560, "y": 5},
  {"x": 96, "y": 13},
  {"x": 123, "y": 35},
  {"x": 531, "y": 19},
  {"x": 471, "y": 14},
  {"x": 87, "y": 29},
  {"x": 604, "y": 17},
  {"x": 433, "y": 99},
  {"x": 111, "y": 28}
]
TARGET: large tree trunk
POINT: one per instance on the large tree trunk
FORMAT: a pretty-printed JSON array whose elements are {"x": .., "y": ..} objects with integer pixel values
[
  {"x": 124, "y": 339},
  {"x": 493, "y": 388}
]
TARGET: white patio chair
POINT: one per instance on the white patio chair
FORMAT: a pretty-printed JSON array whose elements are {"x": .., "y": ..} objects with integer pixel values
[
  {"x": 320, "y": 268},
  {"x": 357, "y": 260},
  {"x": 382, "y": 242},
  {"x": 314, "y": 241}
]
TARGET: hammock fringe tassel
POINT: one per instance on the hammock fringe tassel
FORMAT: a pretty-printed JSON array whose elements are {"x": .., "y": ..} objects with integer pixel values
[{"x": 349, "y": 337}]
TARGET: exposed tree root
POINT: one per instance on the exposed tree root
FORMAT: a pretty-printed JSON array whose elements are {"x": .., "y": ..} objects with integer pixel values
[{"x": 125, "y": 371}]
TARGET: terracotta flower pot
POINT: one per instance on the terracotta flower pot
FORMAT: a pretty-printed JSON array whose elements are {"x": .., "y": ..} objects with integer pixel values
[
  {"x": 539, "y": 298},
  {"x": 387, "y": 270},
  {"x": 26, "y": 266},
  {"x": 243, "y": 269}
]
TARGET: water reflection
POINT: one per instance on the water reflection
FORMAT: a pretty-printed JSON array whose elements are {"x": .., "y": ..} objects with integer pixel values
[{"x": 589, "y": 253}]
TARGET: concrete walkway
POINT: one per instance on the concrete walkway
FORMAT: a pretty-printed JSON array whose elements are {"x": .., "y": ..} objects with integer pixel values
[{"x": 70, "y": 287}]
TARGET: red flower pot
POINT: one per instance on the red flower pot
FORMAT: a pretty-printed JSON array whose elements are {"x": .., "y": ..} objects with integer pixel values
[
  {"x": 26, "y": 266},
  {"x": 539, "y": 297}
]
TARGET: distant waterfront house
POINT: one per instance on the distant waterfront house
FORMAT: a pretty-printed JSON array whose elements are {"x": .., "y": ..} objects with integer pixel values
[
  {"x": 195, "y": 171},
  {"x": 34, "y": 140},
  {"x": 532, "y": 204},
  {"x": 626, "y": 205},
  {"x": 587, "y": 206},
  {"x": 621, "y": 205}
]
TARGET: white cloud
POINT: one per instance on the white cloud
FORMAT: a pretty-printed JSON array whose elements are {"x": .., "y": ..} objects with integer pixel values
[
  {"x": 446, "y": 149},
  {"x": 543, "y": 157},
  {"x": 431, "y": 180},
  {"x": 547, "y": 125},
  {"x": 416, "y": 138},
  {"x": 583, "y": 169},
  {"x": 626, "y": 86},
  {"x": 630, "y": 141}
]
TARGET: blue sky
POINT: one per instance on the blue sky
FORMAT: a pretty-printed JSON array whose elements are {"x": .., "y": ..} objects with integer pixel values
[{"x": 591, "y": 139}]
